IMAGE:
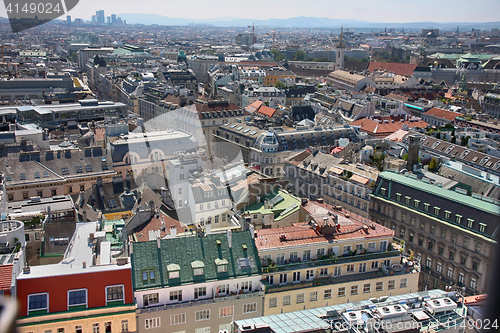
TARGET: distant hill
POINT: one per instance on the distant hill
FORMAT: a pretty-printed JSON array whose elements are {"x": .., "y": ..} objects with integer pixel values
[{"x": 303, "y": 22}]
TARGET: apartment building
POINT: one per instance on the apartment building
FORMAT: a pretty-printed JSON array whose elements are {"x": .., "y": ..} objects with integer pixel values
[
  {"x": 202, "y": 286},
  {"x": 76, "y": 295},
  {"x": 322, "y": 175},
  {"x": 52, "y": 173},
  {"x": 336, "y": 257},
  {"x": 450, "y": 233}
]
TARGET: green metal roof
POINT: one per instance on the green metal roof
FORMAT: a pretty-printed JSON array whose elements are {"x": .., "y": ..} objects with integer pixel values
[
  {"x": 192, "y": 252},
  {"x": 287, "y": 202},
  {"x": 435, "y": 190}
]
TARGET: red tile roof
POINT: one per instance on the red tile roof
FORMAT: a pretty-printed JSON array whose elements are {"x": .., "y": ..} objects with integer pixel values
[
  {"x": 266, "y": 111},
  {"x": 351, "y": 227},
  {"x": 254, "y": 106},
  {"x": 5, "y": 277},
  {"x": 142, "y": 232},
  {"x": 394, "y": 67},
  {"x": 378, "y": 126},
  {"x": 443, "y": 114}
]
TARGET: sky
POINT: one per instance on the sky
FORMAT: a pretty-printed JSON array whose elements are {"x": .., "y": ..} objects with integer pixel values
[{"x": 390, "y": 11}]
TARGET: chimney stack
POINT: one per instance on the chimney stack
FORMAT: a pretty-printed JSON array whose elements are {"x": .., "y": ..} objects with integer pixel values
[{"x": 229, "y": 238}]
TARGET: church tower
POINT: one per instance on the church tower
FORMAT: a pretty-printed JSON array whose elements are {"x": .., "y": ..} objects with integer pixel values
[{"x": 339, "y": 60}]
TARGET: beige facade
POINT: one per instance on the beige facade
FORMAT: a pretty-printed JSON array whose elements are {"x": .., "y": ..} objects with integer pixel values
[
  {"x": 120, "y": 319},
  {"x": 211, "y": 315},
  {"x": 308, "y": 295}
]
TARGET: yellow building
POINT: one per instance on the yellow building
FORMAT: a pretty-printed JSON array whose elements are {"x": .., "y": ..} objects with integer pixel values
[
  {"x": 336, "y": 258},
  {"x": 274, "y": 74}
]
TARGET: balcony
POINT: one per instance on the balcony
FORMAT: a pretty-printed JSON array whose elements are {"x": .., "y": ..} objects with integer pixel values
[
  {"x": 331, "y": 261},
  {"x": 259, "y": 293}
]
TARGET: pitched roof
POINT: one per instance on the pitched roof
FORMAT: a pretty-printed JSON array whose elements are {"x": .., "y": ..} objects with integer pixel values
[
  {"x": 147, "y": 257},
  {"x": 394, "y": 67},
  {"x": 444, "y": 114},
  {"x": 5, "y": 277},
  {"x": 266, "y": 111},
  {"x": 383, "y": 126}
]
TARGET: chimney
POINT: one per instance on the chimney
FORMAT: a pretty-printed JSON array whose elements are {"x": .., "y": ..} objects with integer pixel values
[
  {"x": 84, "y": 216},
  {"x": 173, "y": 231},
  {"x": 266, "y": 204},
  {"x": 84, "y": 264},
  {"x": 229, "y": 238},
  {"x": 26, "y": 269},
  {"x": 158, "y": 241},
  {"x": 121, "y": 261},
  {"x": 252, "y": 231},
  {"x": 208, "y": 228}
]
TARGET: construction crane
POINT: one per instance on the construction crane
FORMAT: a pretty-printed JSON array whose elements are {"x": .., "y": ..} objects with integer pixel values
[
  {"x": 253, "y": 26},
  {"x": 273, "y": 33}
]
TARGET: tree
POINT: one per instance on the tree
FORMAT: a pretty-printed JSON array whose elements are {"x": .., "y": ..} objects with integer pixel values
[
  {"x": 438, "y": 135},
  {"x": 277, "y": 55},
  {"x": 465, "y": 140},
  {"x": 280, "y": 85},
  {"x": 299, "y": 55},
  {"x": 454, "y": 139},
  {"x": 433, "y": 164}
]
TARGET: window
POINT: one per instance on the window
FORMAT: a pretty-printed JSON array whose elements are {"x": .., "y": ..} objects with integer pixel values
[
  {"x": 407, "y": 200},
  {"x": 379, "y": 286},
  {"x": 221, "y": 268},
  {"x": 323, "y": 271},
  {"x": 367, "y": 287},
  {"x": 354, "y": 290},
  {"x": 350, "y": 268},
  {"x": 283, "y": 278},
  {"x": 173, "y": 275},
  {"x": 320, "y": 252},
  {"x": 150, "y": 299},
  {"x": 359, "y": 248},
  {"x": 222, "y": 327},
  {"x": 426, "y": 207},
  {"x": 202, "y": 330},
  {"x": 309, "y": 274},
  {"x": 280, "y": 258},
  {"x": 287, "y": 300},
  {"x": 347, "y": 249},
  {"x": 450, "y": 272},
  {"x": 251, "y": 307},
  {"x": 296, "y": 276},
  {"x": 313, "y": 296},
  {"x": 430, "y": 245},
  {"x": 38, "y": 302},
  {"x": 452, "y": 255},
  {"x": 77, "y": 297},
  {"x": 478, "y": 247},
  {"x": 202, "y": 315},
  {"x": 461, "y": 278},
  {"x": 436, "y": 210},
  {"x": 410, "y": 237},
  {"x": 246, "y": 286},
  {"x": 463, "y": 259},
  {"x": 441, "y": 250},
  {"x": 443, "y": 233},
  {"x": 447, "y": 214},
  {"x": 432, "y": 230},
  {"x": 152, "y": 323},
  {"x": 482, "y": 228},
  {"x": 294, "y": 255},
  {"x": 403, "y": 283},
  {"x": 470, "y": 223},
  {"x": 420, "y": 241},
  {"x": 124, "y": 325},
  {"x": 178, "y": 319},
  {"x": 200, "y": 292},
  {"x": 454, "y": 239},
  {"x": 223, "y": 289},
  {"x": 337, "y": 271},
  {"x": 374, "y": 264},
  {"x": 306, "y": 255},
  {"x": 439, "y": 267},
  {"x": 416, "y": 203},
  {"x": 341, "y": 292},
  {"x": 327, "y": 294},
  {"x": 383, "y": 245},
  {"x": 458, "y": 218},
  {"x": 273, "y": 302},
  {"x": 402, "y": 233},
  {"x": 226, "y": 311},
  {"x": 475, "y": 265},
  {"x": 176, "y": 295},
  {"x": 472, "y": 283},
  {"x": 398, "y": 196},
  {"x": 371, "y": 246},
  {"x": 362, "y": 267},
  {"x": 391, "y": 284},
  {"x": 95, "y": 328},
  {"x": 114, "y": 293}
]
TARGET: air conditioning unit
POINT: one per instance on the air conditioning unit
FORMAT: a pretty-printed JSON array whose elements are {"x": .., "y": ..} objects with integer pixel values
[{"x": 440, "y": 305}]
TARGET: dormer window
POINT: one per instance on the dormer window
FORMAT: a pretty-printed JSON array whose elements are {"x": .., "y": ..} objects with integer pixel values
[
  {"x": 198, "y": 267},
  {"x": 221, "y": 265},
  {"x": 173, "y": 271}
]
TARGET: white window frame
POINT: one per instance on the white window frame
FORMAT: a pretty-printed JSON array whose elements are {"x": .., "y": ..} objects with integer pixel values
[
  {"x": 114, "y": 300},
  {"x": 41, "y": 309},
  {"x": 86, "y": 298},
  {"x": 201, "y": 318},
  {"x": 250, "y": 307},
  {"x": 152, "y": 323},
  {"x": 226, "y": 311},
  {"x": 173, "y": 318}
]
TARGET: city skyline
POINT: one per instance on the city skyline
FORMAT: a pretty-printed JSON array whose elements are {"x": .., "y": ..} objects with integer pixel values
[{"x": 380, "y": 11}]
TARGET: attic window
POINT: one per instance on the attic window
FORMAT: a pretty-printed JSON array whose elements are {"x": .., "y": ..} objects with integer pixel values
[
  {"x": 221, "y": 265},
  {"x": 173, "y": 271},
  {"x": 198, "y": 267}
]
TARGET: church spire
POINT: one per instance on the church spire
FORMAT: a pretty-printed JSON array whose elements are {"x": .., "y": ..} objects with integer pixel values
[{"x": 341, "y": 44}]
